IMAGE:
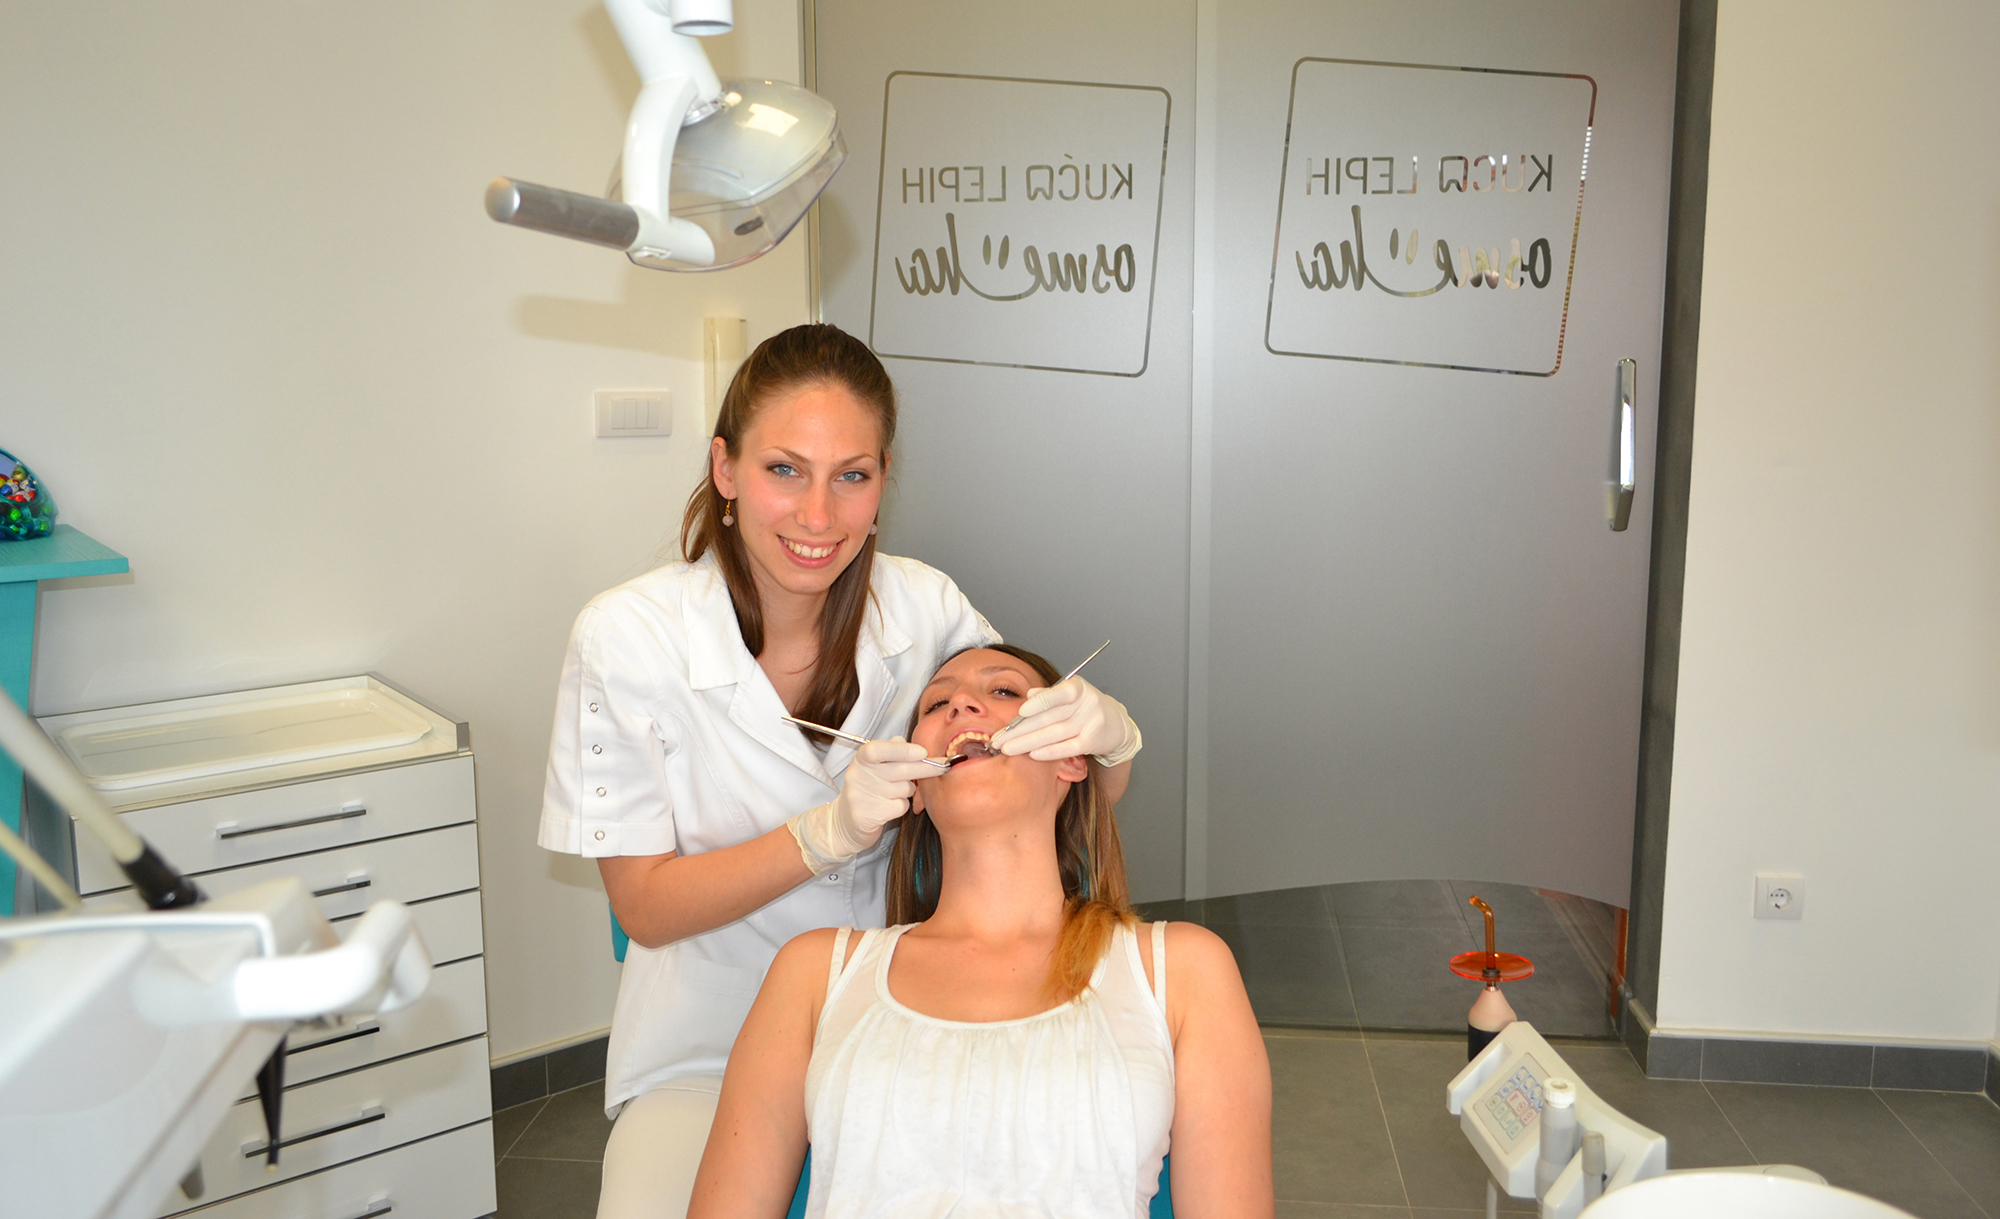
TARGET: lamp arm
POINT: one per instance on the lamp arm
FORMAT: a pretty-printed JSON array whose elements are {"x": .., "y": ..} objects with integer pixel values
[
  {"x": 658, "y": 52},
  {"x": 680, "y": 87},
  {"x": 650, "y": 135}
]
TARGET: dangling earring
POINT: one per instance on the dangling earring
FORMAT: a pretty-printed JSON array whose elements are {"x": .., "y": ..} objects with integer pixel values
[
  {"x": 728, "y": 513},
  {"x": 873, "y": 529}
]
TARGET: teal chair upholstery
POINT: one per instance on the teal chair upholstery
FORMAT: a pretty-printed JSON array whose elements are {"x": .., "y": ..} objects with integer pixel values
[
  {"x": 618, "y": 937},
  {"x": 1162, "y": 1206}
]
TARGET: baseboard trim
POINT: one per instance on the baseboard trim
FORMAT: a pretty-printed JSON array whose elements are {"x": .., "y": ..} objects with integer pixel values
[
  {"x": 1823, "y": 1061},
  {"x": 534, "y": 1076}
]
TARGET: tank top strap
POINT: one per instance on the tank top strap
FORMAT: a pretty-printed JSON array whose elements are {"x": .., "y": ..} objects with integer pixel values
[
  {"x": 1160, "y": 965},
  {"x": 839, "y": 957},
  {"x": 838, "y": 1008}
]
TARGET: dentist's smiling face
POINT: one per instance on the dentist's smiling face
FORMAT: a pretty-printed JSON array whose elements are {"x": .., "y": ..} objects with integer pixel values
[
  {"x": 974, "y": 696},
  {"x": 807, "y": 486}
]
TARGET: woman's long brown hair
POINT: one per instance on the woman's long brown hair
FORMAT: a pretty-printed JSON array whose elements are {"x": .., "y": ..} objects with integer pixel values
[
  {"x": 1095, "y": 899},
  {"x": 813, "y": 354}
]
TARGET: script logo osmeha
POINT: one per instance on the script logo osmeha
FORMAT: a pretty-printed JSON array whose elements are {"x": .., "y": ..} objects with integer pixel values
[
  {"x": 1017, "y": 222},
  {"x": 1398, "y": 243}
]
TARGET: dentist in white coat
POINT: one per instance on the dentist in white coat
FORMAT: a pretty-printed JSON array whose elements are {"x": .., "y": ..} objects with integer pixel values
[{"x": 720, "y": 830}]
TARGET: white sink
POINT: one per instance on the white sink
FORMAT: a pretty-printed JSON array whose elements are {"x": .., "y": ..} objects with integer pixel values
[{"x": 1726, "y": 1195}]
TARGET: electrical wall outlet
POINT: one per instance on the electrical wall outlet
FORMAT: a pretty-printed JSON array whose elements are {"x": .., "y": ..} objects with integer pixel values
[
  {"x": 1780, "y": 895},
  {"x": 634, "y": 412}
]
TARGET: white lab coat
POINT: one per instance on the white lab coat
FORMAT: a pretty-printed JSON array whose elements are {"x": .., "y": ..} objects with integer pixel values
[{"x": 667, "y": 738}]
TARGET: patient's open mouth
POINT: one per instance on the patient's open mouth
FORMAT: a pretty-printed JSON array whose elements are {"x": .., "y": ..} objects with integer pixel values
[{"x": 970, "y": 745}]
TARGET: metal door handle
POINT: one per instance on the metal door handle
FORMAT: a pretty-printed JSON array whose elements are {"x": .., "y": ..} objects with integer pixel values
[
  {"x": 374, "y": 1113},
  {"x": 358, "y": 880},
  {"x": 1624, "y": 448},
  {"x": 230, "y": 829},
  {"x": 365, "y": 1030}
]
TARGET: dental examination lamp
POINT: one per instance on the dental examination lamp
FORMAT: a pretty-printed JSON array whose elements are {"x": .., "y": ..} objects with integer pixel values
[{"x": 714, "y": 173}]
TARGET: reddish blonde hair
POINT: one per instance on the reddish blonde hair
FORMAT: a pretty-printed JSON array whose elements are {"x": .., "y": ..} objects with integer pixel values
[{"x": 1095, "y": 899}]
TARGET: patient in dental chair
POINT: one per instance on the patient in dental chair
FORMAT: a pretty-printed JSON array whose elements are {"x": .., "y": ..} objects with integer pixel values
[{"x": 1018, "y": 1043}]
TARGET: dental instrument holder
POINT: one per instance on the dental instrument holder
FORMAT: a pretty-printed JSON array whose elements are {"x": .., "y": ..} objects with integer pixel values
[
  {"x": 1498, "y": 1098},
  {"x": 1560, "y": 1136},
  {"x": 1490, "y": 1011}
]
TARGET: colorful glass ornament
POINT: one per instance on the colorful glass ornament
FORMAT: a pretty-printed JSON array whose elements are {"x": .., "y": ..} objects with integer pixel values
[{"x": 27, "y": 510}]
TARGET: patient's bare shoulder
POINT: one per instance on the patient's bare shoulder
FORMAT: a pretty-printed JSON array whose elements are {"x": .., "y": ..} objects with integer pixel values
[
  {"x": 1197, "y": 955},
  {"x": 1202, "y": 978},
  {"x": 1197, "y": 959},
  {"x": 800, "y": 965}
]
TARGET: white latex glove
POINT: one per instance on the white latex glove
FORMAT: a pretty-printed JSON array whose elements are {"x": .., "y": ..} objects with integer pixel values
[
  {"x": 1070, "y": 719},
  {"x": 875, "y": 791}
]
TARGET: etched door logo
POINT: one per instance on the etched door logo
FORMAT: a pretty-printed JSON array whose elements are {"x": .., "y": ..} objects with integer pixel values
[
  {"x": 1017, "y": 222},
  {"x": 1429, "y": 215}
]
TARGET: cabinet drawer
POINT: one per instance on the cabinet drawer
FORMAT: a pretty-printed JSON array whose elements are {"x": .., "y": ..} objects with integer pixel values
[
  {"x": 454, "y": 1006},
  {"x": 250, "y": 827},
  {"x": 348, "y": 880},
  {"x": 449, "y": 925},
  {"x": 333, "y": 1120},
  {"x": 446, "y": 1177}
]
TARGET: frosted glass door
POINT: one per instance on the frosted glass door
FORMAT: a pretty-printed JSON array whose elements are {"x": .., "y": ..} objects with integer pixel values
[
  {"x": 1324, "y": 352},
  {"x": 1425, "y": 643}
]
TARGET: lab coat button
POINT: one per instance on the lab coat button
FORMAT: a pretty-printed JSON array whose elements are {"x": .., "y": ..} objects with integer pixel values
[
  {"x": 600, "y": 835},
  {"x": 597, "y": 749},
  {"x": 600, "y": 791},
  {"x": 832, "y": 876},
  {"x": 593, "y": 706}
]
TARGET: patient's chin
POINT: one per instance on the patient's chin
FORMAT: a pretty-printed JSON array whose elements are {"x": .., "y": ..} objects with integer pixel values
[{"x": 986, "y": 794}]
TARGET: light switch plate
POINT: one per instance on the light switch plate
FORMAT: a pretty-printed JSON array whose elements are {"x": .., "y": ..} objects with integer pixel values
[
  {"x": 1780, "y": 895},
  {"x": 634, "y": 412}
]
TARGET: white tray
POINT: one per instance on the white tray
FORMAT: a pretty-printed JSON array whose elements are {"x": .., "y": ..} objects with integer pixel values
[{"x": 227, "y": 734}]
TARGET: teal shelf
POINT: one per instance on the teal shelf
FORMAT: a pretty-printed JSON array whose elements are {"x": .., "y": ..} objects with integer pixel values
[
  {"x": 64, "y": 553},
  {"x": 23, "y": 565}
]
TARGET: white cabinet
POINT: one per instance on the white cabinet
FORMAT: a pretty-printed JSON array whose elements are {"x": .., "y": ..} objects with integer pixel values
[
  {"x": 430, "y": 1177},
  {"x": 387, "y": 1115}
]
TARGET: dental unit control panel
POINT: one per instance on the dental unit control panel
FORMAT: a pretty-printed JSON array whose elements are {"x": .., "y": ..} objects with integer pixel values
[{"x": 1500, "y": 1099}]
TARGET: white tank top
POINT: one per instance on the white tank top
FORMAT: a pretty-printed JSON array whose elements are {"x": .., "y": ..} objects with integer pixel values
[{"x": 1064, "y": 1113}]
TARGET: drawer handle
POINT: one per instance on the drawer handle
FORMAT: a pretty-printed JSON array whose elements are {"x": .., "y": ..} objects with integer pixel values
[
  {"x": 374, "y": 1113},
  {"x": 361, "y": 883},
  {"x": 365, "y": 1030},
  {"x": 229, "y": 829},
  {"x": 378, "y": 1209}
]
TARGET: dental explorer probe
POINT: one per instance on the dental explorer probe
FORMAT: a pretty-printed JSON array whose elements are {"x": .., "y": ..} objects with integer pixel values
[
  {"x": 850, "y": 738},
  {"x": 156, "y": 880},
  {"x": 1065, "y": 677}
]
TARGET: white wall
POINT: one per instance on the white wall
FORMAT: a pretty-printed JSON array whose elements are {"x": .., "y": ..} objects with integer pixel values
[
  {"x": 1839, "y": 706},
  {"x": 257, "y": 333}
]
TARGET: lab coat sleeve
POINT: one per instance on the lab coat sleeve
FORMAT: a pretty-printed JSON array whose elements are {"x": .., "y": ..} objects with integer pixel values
[{"x": 606, "y": 792}]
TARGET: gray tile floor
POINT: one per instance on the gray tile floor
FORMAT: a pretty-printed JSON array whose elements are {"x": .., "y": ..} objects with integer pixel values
[
  {"x": 1360, "y": 1132},
  {"x": 1372, "y": 954}
]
